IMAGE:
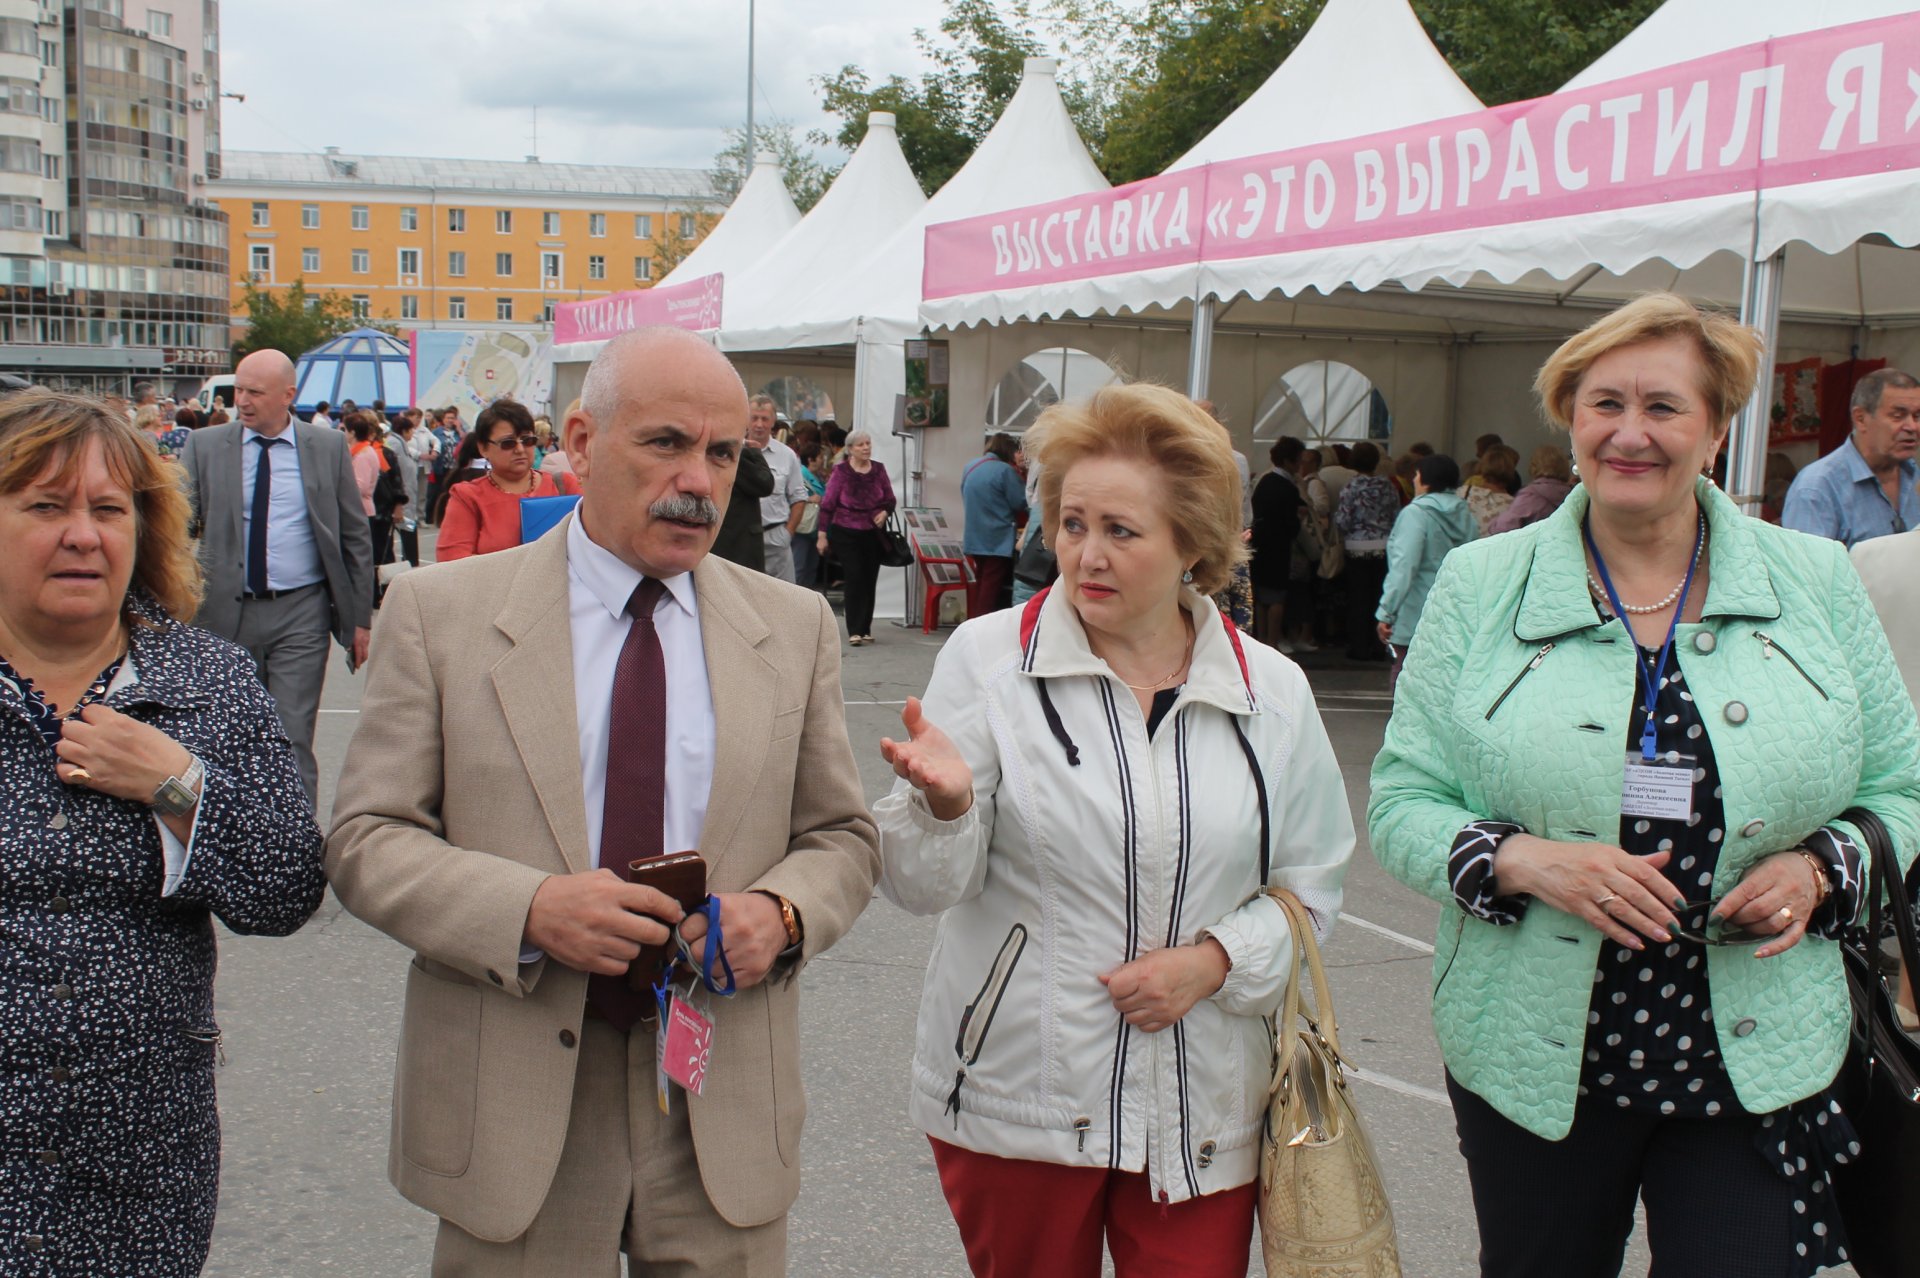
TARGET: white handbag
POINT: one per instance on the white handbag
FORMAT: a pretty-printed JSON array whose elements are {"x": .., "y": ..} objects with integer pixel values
[{"x": 1323, "y": 1204}]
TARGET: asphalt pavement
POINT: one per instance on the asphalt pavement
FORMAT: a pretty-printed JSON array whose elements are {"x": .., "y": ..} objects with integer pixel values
[{"x": 311, "y": 1023}]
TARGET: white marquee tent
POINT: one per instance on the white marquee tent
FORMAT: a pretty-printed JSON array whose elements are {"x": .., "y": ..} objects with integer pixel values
[{"x": 760, "y": 214}]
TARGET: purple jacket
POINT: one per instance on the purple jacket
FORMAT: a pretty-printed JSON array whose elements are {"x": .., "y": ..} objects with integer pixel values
[
  {"x": 852, "y": 498},
  {"x": 1531, "y": 504}
]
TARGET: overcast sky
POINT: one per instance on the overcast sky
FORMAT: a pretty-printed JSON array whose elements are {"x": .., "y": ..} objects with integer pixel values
[{"x": 629, "y": 82}]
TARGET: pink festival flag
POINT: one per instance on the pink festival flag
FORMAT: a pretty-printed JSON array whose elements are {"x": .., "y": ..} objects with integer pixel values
[
  {"x": 695, "y": 305},
  {"x": 1834, "y": 103}
]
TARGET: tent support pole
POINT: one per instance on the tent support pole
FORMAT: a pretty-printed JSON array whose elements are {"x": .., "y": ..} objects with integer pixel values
[
  {"x": 1747, "y": 448},
  {"x": 1200, "y": 354}
]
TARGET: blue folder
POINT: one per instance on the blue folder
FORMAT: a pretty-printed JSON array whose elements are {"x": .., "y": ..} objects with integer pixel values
[{"x": 541, "y": 515}]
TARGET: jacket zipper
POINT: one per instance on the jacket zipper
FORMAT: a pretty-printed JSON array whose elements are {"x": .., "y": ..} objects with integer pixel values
[
  {"x": 978, "y": 1018},
  {"x": 1459, "y": 930},
  {"x": 1771, "y": 647},
  {"x": 1528, "y": 669}
]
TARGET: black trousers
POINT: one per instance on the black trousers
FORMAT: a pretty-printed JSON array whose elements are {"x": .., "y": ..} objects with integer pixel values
[
  {"x": 1363, "y": 578},
  {"x": 1565, "y": 1208},
  {"x": 858, "y": 550},
  {"x": 410, "y": 544}
]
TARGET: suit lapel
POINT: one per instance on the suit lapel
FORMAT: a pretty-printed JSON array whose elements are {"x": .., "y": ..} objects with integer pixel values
[
  {"x": 310, "y": 468},
  {"x": 230, "y": 459},
  {"x": 536, "y": 691},
  {"x": 744, "y": 686}
]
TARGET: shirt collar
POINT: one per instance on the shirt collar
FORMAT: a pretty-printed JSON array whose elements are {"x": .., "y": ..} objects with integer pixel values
[
  {"x": 248, "y": 434},
  {"x": 611, "y": 580},
  {"x": 1859, "y": 472}
]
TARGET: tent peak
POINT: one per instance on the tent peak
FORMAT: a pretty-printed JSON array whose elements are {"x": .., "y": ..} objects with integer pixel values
[
  {"x": 1040, "y": 68},
  {"x": 880, "y": 119},
  {"x": 765, "y": 160}
]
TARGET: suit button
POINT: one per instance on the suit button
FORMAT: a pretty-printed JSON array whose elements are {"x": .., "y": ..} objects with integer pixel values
[
  {"x": 567, "y": 1039},
  {"x": 63, "y": 992},
  {"x": 60, "y": 905},
  {"x": 1752, "y": 828},
  {"x": 1736, "y": 712},
  {"x": 58, "y": 821},
  {"x": 493, "y": 976},
  {"x": 1703, "y": 642},
  {"x": 61, "y": 1074},
  {"x": 1744, "y": 1026}
]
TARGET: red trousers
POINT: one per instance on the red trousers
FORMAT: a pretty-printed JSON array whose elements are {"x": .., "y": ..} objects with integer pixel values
[
  {"x": 1023, "y": 1219},
  {"x": 992, "y": 586}
]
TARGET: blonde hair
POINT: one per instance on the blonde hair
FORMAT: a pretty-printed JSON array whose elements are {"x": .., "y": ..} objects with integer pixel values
[
  {"x": 1729, "y": 349},
  {"x": 1188, "y": 450},
  {"x": 146, "y": 417},
  {"x": 1549, "y": 461},
  {"x": 42, "y": 428}
]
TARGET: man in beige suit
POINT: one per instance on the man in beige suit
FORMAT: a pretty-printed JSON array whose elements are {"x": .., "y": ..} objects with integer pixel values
[
  {"x": 468, "y": 827},
  {"x": 1891, "y": 568}
]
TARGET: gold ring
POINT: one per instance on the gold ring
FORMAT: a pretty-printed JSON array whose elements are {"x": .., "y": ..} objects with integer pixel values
[
  {"x": 1786, "y": 912},
  {"x": 80, "y": 776},
  {"x": 1611, "y": 896}
]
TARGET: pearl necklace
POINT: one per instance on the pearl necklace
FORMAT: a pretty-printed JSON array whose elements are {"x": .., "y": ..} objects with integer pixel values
[{"x": 1642, "y": 610}]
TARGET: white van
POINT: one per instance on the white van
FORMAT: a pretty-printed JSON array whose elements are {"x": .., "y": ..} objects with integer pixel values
[{"x": 221, "y": 386}]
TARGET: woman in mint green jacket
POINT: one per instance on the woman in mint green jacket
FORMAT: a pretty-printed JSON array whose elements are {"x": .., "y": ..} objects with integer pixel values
[{"x": 1637, "y": 828}]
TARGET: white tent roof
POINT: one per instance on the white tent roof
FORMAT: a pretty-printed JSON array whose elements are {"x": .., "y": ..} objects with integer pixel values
[
  {"x": 760, "y": 214},
  {"x": 1366, "y": 66},
  {"x": 873, "y": 196},
  {"x": 1033, "y": 152}
]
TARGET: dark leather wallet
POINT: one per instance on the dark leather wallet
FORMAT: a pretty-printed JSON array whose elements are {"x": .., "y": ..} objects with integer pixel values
[{"x": 682, "y": 876}]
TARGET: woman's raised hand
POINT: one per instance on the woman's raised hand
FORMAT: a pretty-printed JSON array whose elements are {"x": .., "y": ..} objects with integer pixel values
[
  {"x": 1623, "y": 895},
  {"x": 929, "y": 761}
]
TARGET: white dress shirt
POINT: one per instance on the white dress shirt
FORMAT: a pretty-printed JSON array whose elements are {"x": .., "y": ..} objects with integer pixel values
[
  {"x": 598, "y": 587},
  {"x": 293, "y": 557}
]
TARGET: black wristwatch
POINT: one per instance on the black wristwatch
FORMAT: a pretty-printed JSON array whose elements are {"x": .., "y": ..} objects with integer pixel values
[{"x": 176, "y": 796}]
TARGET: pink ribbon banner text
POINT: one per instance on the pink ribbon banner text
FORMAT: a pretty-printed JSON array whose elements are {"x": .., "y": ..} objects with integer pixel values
[
  {"x": 694, "y": 305},
  {"x": 1835, "y": 103}
]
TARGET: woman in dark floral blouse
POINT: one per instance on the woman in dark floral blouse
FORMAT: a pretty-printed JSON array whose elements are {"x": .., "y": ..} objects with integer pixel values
[
  {"x": 150, "y": 789},
  {"x": 1368, "y": 506}
]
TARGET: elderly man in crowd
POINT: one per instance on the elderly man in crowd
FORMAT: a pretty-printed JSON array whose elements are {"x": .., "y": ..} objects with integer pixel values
[
  {"x": 780, "y": 511},
  {"x": 525, "y": 1111},
  {"x": 1866, "y": 487}
]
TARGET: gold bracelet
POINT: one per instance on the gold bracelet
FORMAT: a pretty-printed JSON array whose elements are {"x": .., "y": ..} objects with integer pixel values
[{"x": 1819, "y": 876}]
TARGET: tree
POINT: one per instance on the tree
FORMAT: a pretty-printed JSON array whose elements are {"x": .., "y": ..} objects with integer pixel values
[
  {"x": 1512, "y": 50},
  {"x": 670, "y": 248},
  {"x": 293, "y": 322},
  {"x": 979, "y": 57},
  {"x": 807, "y": 179}
]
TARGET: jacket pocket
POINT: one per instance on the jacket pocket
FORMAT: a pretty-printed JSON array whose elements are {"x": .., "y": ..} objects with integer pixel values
[
  {"x": 976, "y": 1022},
  {"x": 437, "y": 1085}
]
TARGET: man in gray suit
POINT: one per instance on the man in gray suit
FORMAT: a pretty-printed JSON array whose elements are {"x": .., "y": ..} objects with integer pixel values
[{"x": 285, "y": 543}]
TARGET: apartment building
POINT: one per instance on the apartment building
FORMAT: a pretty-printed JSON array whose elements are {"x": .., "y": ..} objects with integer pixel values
[{"x": 456, "y": 244}]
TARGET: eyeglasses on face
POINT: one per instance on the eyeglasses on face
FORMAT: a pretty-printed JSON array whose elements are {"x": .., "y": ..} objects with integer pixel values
[{"x": 511, "y": 441}]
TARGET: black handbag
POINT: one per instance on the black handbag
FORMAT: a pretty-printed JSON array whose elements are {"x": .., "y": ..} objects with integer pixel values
[
  {"x": 1880, "y": 1082},
  {"x": 895, "y": 551},
  {"x": 1036, "y": 565}
]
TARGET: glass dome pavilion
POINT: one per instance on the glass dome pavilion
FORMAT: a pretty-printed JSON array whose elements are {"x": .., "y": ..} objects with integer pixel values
[{"x": 363, "y": 365}]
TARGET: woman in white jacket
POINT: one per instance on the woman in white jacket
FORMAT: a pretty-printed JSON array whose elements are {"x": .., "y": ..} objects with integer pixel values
[{"x": 1089, "y": 798}]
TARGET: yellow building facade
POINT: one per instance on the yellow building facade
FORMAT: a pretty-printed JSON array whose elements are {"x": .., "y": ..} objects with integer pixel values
[{"x": 465, "y": 244}]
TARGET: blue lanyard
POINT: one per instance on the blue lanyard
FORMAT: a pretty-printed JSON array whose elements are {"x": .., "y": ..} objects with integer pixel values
[
  {"x": 1650, "y": 675},
  {"x": 713, "y": 949}
]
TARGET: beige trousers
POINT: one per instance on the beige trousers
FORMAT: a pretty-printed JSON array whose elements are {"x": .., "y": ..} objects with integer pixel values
[{"x": 627, "y": 1181}]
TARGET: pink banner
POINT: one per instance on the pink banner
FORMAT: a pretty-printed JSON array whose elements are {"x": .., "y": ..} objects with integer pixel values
[
  {"x": 1827, "y": 104},
  {"x": 694, "y": 305}
]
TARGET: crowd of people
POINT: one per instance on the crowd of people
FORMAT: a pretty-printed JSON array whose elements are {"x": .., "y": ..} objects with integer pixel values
[{"x": 1644, "y": 831}]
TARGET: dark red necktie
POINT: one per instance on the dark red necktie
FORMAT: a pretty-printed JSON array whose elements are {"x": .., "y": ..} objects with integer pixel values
[{"x": 636, "y": 791}]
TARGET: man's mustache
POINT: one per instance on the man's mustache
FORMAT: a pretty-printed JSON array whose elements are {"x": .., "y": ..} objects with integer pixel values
[{"x": 686, "y": 510}]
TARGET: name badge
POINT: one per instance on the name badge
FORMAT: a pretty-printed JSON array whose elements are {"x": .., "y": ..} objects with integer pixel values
[
  {"x": 682, "y": 1048},
  {"x": 1660, "y": 789}
]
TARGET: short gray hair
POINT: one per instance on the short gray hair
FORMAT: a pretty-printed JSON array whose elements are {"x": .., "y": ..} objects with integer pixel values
[
  {"x": 1867, "y": 391},
  {"x": 855, "y": 436}
]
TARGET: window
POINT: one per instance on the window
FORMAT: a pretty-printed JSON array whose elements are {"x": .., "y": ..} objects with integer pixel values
[
  {"x": 310, "y": 260},
  {"x": 362, "y": 306},
  {"x": 260, "y": 263},
  {"x": 456, "y": 263},
  {"x": 546, "y": 312},
  {"x": 643, "y": 268},
  {"x": 597, "y": 225},
  {"x": 549, "y": 266},
  {"x": 503, "y": 263},
  {"x": 56, "y": 224},
  {"x": 456, "y": 219},
  {"x": 362, "y": 261},
  {"x": 309, "y": 217},
  {"x": 456, "y": 308},
  {"x": 409, "y": 261},
  {"x": 260, "y": 213},
  {"x": 409, "y": 218},
  {"x": 596, "y": 267},
  {"x": 50, "y": 110},
  {"x": 687, "y": 227},
  {"x": 549, "y": 224},
  {"x": 503, "y": 221},
  {"x": 409, "y": 307},
  {"x": 160, "y": 23},
  {"x": 643, "y": 226},
  {"x": 503, "y": 308},
  {"x": 50, "y": 167},
  {"x": 361, "y": 220}
]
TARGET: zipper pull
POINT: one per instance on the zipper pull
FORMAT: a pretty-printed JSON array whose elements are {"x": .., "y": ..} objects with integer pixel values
[
  {"x": 1083, "y": 1126},
  {"x": 1766, "y": 645},
  {"x": 1165, "y": 1200},
  {"x": 953, "y": 1098}
]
